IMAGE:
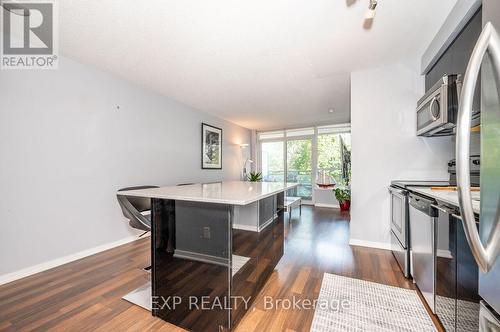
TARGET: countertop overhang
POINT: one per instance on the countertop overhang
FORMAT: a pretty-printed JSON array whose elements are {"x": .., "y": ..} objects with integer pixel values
[{"x": 227, "y": 192}]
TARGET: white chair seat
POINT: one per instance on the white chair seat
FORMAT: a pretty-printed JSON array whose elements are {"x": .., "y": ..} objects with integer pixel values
[{"x": 290, "y": 203}]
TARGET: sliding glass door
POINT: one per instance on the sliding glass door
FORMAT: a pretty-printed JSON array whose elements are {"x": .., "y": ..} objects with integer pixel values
[
  {"x": 299, "y": 166},
  {"x": 298, "y": 155},
  {"x": 272, "y": 161}
]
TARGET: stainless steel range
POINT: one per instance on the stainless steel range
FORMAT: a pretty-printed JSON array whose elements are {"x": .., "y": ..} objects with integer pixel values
[
  {"x": 400, "y": 212},
  {"x": 474, "y": 170}
]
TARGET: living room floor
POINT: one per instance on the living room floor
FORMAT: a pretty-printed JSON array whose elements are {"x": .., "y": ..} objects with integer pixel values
[{"x": 86, "y": 295}]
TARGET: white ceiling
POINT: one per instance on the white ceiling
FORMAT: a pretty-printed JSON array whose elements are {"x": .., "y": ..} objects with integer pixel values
[{"x": 259, "y": 63}]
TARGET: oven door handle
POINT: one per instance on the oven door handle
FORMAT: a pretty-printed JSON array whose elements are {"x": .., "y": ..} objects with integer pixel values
[{"x": 485, "y": 256}]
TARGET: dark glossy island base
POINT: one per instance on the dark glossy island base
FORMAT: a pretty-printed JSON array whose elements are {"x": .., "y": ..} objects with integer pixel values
[{"x": 198, "y": 279}]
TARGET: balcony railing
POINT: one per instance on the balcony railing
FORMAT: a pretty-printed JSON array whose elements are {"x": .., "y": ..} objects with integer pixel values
[{"x": 304, "y": 178}]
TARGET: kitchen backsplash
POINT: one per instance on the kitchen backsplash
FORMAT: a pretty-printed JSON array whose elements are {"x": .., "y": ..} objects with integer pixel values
[{"x": 475, "y": 143}]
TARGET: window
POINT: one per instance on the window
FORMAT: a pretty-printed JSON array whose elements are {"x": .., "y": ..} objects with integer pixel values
[
  {"x": 300, "y": 132},
  {"x": 335, "y": 129},
  {"x": 272, "y": 161},
  {"x": 299, "y": 166},
  {"x": 334, "y": 156},
  {"x": 300, "y": 154},
  {"x": 271, "y": 135}
]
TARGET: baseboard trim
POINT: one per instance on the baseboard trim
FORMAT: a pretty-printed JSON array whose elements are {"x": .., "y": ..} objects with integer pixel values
[
  {"x": 444, "y": 253},
  {"x": 370, "y": 244},
  {"x": 267, "y": 223},
  {"x": 330, "y": 206},
  {"x": 246, "y": 227},
  {"x": 194, "y": 256},
  {"x": 26, "y": 272}
]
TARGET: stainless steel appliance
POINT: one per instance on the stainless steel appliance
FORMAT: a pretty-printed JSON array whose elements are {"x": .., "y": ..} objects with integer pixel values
[
  {"x": 400, "y": 227},
  {"x": 474, "y": 169},
  {"x": 437, "y": 109},
  {"x": 422, "y": 251},
  {"x": 485, "y": 243}
]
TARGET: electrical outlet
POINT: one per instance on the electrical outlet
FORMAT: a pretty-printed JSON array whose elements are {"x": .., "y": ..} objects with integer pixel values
[{"x": 206, "y": 233}]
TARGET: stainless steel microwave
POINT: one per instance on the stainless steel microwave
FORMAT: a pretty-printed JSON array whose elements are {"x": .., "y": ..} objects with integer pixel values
[{"x": 437, "y": 110}]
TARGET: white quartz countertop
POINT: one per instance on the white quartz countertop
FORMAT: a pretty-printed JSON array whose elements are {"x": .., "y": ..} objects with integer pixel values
[
  {"x": 230, "y": 192},
  {"x": 449, "y": 197}
]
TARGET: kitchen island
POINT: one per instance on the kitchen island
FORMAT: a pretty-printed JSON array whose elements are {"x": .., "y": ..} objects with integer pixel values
[{"x": 205, "y": 272}]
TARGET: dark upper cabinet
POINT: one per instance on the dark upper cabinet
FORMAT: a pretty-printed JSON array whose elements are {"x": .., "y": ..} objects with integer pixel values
[
  {"x": 441, "y": 68},
  {"x": 491, "y": 12},
  {"x": 456, "y": 57}
]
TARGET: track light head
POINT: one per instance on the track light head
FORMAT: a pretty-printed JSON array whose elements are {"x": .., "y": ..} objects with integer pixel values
[{"x": 370, "y": 13}]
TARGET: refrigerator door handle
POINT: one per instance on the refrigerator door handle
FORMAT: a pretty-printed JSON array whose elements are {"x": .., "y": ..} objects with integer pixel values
[{"x": 484, "y": 255}]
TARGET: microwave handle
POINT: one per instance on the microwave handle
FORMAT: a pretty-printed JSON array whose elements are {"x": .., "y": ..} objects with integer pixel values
[
  {"x": 459, "y": 83},
  {"x": 485, "y": 256}
]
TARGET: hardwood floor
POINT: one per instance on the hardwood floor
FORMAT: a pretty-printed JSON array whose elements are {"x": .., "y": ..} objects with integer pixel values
[{"x": 86, "y": 295}]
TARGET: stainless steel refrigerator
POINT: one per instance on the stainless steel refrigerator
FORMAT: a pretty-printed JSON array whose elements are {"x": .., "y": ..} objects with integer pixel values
[{"x": 484, "y": 65}]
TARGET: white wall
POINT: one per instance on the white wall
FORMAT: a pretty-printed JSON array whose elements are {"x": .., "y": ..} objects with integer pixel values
[
  {"x": 385, "y": 146},
  {"x": 65, "y": 149},
  {"x": 325, "y": 198}
]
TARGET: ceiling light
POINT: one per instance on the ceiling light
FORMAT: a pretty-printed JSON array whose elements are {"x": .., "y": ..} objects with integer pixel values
[
  {"x": 331, "y": 110},
  {"x": 370, "y": 13}
]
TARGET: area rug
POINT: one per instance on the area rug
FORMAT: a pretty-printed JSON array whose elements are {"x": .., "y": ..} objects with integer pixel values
[
  {"x": 347, "y": 304},
  {"x": 469, "y": 313},
  {"x": 238, "y": 262},
  {"x": 141, "y": 297}
]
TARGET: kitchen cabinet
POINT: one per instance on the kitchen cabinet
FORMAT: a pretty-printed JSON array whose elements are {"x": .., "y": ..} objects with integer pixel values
[
  {"x": 456, "y": 57},
  {"x": 446, "y": 270},
  {"x": 457, "y": 275},
  {"x": 467, "y": 283}
]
